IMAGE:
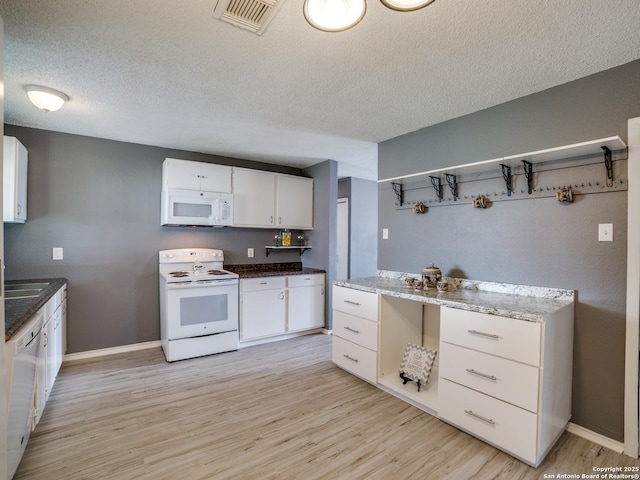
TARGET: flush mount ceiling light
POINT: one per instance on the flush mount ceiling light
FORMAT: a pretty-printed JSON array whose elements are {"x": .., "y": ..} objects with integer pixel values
[
  {"x": 340, "y": 15},
  {"x": 334, "y": 15},
  {"x": 406, "y": 5},
  {"x": 45, "y": 98}
]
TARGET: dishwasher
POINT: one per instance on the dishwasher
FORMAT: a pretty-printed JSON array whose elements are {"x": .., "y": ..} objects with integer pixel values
[{"x": 22, "y": 357}]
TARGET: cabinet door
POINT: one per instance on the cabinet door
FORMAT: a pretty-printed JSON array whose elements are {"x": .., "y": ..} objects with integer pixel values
[
  {"x": 262, "y": 314},
  {"x": 50, "y": 375},
  {"x": 58, "y": 333},
  {"x": 182, "y": 174},
  {"x": 295, "y": 202},
  {"x": 15, "y": 166},
  {"x": 215, "y": 178},
  {"x": 41, "y": 374},
  {"x": 306, "y": 308},
  {"x": 254, "y": 194}
]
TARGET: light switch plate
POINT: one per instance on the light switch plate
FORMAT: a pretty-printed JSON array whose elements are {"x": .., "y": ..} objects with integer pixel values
[
  {"x": 605, "y": 232},
  {"x": 250, "y": 252},
  {"x": 57, "y": 253},
  {"x": 385, "y": 234}
]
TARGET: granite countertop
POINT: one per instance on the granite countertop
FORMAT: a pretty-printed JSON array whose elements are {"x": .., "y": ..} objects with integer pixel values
[
  {"x": 17, "y": 311},
  {"x": 506, "y": 300},
  {"x": 258, "y": 270}
]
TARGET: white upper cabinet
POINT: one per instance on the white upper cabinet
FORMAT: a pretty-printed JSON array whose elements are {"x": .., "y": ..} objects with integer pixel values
[
  {"x": 15, "y": 181},
  {"x": 272, "y": 200},
  {"x": 294, "y": 203},
  {"x": 189, "y": 175},
  {"x": 254, "y": 197}
]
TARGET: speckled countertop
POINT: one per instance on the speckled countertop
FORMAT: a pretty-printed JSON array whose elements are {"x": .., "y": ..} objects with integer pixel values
[
  {"x": 513, "y": 301},
  {"x": 258, "y": 270},
  {"x": 17, "y": 311}
]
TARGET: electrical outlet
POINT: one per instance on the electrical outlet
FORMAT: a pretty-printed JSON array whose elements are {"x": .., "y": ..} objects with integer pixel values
[
  {"x": 57, "y": 253},
  {"x": 605, "y": 232},
  {"x": 250, "y": 252},
  {"x": 385, "y": 234}
]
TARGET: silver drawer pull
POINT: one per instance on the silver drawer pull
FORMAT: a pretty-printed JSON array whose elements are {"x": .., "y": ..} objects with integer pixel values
[
  {"x": 263, "y": 283},
  {"x": 480, "y": 374},
  {"x": 480, "y": 417},
  {"x": 352, "y": 303},
  {"x": 352, "y": 329},
  {"x": 490, "y": 335},
  {"x": 350, "y": 358}
]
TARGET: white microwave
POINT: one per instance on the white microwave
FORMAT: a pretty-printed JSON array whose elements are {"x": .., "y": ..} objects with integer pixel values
[{"x": 194, "y": 208}]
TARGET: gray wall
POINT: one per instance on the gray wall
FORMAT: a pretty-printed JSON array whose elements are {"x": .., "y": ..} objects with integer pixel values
[
  {"x": 363, "y": 224},
  {"x": 535, "y": 241},
  {"x": 324, "y": 239},
  {"x": 100, "y": 200}
]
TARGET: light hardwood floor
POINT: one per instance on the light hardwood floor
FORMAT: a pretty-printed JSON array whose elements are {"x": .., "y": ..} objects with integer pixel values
[{"x": 275, "y": 411}]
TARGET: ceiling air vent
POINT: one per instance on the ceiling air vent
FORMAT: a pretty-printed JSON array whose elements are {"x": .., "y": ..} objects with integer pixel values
[{"x": 252, "y": 15}]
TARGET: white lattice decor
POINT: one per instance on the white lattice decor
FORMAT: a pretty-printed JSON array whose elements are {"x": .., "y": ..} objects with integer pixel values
[{"x": 416, "y": 364}]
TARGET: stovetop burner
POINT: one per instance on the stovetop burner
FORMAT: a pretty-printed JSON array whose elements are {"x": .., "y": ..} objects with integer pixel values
[
  {"x": 179, "y": 274},
  {"x": 216, "y": 272}
]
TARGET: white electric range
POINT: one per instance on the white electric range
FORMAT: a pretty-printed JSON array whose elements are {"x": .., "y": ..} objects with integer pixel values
[{"x": 198, "y": 303}]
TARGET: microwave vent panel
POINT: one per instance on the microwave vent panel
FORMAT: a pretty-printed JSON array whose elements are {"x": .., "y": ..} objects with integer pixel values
[{"x": 253, "y": 15}]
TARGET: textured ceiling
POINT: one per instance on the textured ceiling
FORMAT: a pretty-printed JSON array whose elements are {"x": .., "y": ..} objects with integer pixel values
[{"x": 167, "y": 73}]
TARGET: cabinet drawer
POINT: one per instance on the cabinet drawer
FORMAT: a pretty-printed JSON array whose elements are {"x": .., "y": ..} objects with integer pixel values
[
  {"x": 506, "y": 337},
  {"x": 507, "y": 380},
  {"x": 355, "y": 359},
  {"x": 356, "y": 302},
  {"x": 306, "y": 280},
  {"x": 356, "y": 329},
  {"x": 262, "y": 283},
  {"x": 505, "y": 426}
]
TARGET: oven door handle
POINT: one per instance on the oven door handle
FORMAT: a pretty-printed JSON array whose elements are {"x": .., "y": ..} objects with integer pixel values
[{"x": 202, "y": 284}]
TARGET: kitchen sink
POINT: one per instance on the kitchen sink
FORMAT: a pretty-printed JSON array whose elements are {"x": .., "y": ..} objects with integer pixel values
[{"x": 24, "y": 290}]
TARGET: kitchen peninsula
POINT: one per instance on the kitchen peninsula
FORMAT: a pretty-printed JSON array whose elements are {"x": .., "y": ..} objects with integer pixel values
[{"x": 504, "y": 353}]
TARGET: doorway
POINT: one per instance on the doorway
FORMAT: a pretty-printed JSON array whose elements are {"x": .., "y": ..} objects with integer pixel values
[{"x": 342, "y": 257}]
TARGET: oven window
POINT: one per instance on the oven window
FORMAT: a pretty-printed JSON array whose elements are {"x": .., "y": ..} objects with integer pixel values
[
  {"x": 207, "y": 309},
  {"x": 195, "y": 210}
]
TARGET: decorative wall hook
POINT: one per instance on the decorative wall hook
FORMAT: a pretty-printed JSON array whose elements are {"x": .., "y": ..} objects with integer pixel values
[
  {"x": 437, "y": 185},
  {"x": 506, "y": 174},
  {"x": 564, "y": 194},
  {"x": 453, "y": 185},
  {"x": 528, "y": 173},
  {"x": 397, "y": 188},
  {"x": 419, "y": 207},
  {"x": 608, "y": 163},
  {"x": 480, "y": 202}
]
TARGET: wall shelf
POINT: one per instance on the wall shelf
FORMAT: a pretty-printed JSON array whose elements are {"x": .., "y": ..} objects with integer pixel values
[
  {"x": 583, "y": 149},
  {"x": 273, "y": 248}
]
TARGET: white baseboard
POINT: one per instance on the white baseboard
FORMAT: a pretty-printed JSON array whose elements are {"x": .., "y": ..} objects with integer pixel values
[
  {"x": 72, "y": 357},
  {"x": 594, "y": 437}
]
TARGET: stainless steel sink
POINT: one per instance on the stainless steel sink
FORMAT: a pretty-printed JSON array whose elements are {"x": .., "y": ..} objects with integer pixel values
[{"x": 24, "y": 290}]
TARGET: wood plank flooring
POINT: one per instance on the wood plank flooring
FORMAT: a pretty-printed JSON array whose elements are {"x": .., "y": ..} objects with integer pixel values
[{"x": 274, "y": 411}]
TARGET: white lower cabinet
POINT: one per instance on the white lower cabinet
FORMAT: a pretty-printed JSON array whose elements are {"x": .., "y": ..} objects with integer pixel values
[
  {"x": 507, "y": 381},
  {"x": 53, "y": 346},
  {"x": 305, "y": 306},
  {"x": 277, "y": 306},
  {"x": 262, "y": 307},
  {"x": 355, "y": 332},
  {"x": 499, "y": 423}
]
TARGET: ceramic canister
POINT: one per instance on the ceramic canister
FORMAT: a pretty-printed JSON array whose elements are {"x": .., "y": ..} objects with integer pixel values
[{"x": 430, "y": 276}]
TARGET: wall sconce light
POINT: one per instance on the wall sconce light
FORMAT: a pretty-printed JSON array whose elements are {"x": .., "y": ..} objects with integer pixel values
[
  {"x": 340, "y": 15},
  {"x": 45, "y": 98}
]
